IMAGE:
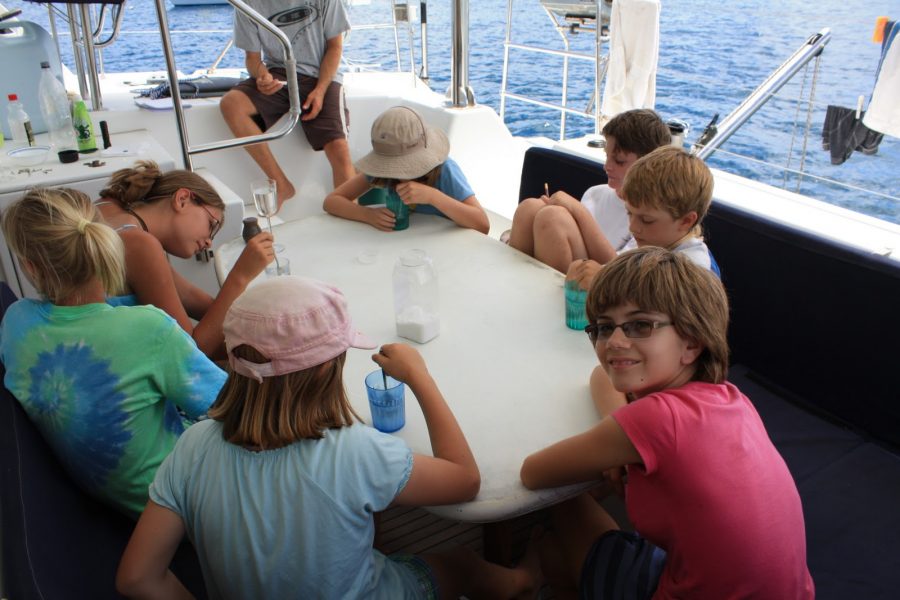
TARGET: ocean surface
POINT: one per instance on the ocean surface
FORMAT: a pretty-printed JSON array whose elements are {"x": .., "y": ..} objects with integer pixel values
[{"x": 712, "y": 55}]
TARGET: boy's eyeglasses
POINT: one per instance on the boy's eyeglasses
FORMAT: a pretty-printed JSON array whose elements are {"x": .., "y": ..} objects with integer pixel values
[
  {"x": 214, "y": 224},
  {"x": 640, "y": 328}
]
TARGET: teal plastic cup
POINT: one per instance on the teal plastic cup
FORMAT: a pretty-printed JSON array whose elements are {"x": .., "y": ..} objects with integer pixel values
[
  {"x": 400, "y": 210},
  {"x": 576, "y": 318},
  {"x": 387, "y": 401},
  {"x": 375, "y": 195}
]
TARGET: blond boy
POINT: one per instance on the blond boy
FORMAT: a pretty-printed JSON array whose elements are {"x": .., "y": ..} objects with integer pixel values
[{"x": 666, "y": 195}]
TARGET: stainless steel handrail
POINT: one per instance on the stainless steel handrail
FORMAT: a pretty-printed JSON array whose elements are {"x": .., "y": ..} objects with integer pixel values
[
  {"x": 423, "y": 39},
  {"x": 119, "y": 16},
  {"x": 600, "y": 60},
  {"x": 85, "y": 42},
  {"x": 716, "y": 135},
  {"x": 461, "y": 93},
  {"x": 293, "y": 89}
]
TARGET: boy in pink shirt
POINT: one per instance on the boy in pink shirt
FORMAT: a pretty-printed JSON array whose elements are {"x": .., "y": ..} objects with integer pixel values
[{"x": 717, "y": 511}]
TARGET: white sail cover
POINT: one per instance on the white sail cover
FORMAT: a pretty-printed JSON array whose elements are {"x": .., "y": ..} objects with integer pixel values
[
  {"x": 633, "y": 56},
  {"x": 884, "y": 109}
]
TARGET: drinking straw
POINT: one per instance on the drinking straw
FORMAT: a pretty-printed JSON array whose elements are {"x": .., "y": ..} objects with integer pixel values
[
  {"x": 384, "y": 378},
  {"x": 546, "y": 189}
]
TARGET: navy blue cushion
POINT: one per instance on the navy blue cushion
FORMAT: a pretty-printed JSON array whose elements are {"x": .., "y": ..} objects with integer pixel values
[
  {"x": 560, "y": 171},
  {"x": 853, "y": 525},
  {"x": 807, "y": 442},
  {"x": 837, "y": 350},
  {"x": 850, "y": 490}
]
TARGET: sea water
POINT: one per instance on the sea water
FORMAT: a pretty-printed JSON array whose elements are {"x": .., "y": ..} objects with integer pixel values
[{"x": 710, "y": 59}]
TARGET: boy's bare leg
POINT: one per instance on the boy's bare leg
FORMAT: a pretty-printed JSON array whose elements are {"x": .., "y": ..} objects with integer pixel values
[
  {"x": 521, "y": 236},
  {"x": 576, "y": 523},
  {"x": 461, "y": 572},
  {"x": 238, "y": 111},
  {"x": 557, "y": 239},
  {"x": 338, "y": 154}
]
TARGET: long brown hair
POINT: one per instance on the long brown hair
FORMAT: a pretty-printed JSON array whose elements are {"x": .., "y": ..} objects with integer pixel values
[
  {"x": 60, "y": 232},
  {"x": 145, "y": 183},
  {"x": 658, "y": 280},
  {"x": 285, "y": 408}
]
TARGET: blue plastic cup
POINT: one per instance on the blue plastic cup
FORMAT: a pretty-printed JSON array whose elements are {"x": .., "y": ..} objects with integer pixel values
[
  {"x": 387, "y": 401},
  {"x": 400, "y": 210},
  {"x": 576, "y": 318}
]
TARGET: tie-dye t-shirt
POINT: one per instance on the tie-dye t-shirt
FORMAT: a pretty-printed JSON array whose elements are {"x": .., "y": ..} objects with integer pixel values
[{"x": 104, "y": 385}]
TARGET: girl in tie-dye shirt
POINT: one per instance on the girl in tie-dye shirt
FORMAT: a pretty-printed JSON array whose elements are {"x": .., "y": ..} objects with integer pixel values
[{"x": 110, "y": 388}]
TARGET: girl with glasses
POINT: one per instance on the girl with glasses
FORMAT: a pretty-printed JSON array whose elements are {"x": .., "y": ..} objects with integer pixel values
[
  {"x": 716, "y": 510},
  {"x": 177, "y": 213}
]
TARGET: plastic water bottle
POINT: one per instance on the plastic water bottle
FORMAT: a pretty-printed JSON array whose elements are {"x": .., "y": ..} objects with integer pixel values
[
  {"x": 19, "y": 122},
  {"x": 56, "y": 111},
  {"x": 84, "y": 128}
]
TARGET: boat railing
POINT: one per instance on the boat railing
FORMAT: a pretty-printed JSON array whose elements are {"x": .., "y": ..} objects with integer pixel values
[
  {"x": 716, "y": 134},
  {"x": 569, "y": 17},
  {"x": 402, "y": 16},
  {"x": 87, "y": 41},
  {"x": 93, "y": 18}
]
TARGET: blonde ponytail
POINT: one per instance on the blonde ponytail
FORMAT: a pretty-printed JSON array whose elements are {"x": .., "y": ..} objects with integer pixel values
[{"x": 60, "y": 234}]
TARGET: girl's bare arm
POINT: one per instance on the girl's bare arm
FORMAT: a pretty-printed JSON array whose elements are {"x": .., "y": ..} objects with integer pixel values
[
  {"x": 342, "y": 203},
  {"x": 580, "y": 458},
  {"x": 451, "y": 475},
  {"x": 144, "y": 568}
]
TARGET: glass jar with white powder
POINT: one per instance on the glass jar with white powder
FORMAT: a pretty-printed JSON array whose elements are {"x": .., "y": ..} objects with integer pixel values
[{"x": 416, "y": 297}]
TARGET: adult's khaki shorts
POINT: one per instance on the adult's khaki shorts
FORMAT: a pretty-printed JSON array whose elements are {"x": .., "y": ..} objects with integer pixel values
[{"x": 330, "y": 124}]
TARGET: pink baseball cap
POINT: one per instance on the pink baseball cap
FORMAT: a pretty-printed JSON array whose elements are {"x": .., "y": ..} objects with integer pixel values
[{"x": 296, "y": 322}]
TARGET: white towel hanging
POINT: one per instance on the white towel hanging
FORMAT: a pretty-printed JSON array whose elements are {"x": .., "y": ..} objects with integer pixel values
[
  {"x": 884, "y": 108},
  {"x": 633, "y": 56}
]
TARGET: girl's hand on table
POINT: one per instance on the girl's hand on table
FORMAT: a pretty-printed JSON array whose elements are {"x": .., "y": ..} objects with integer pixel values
[{"x": 381, "y": 218}]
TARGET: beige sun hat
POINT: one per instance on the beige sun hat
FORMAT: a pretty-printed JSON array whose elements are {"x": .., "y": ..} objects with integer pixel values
[{"x": 403, "y": 147}]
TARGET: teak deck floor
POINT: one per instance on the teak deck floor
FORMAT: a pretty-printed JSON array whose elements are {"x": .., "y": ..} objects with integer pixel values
[{"x": 416, "y": 531}]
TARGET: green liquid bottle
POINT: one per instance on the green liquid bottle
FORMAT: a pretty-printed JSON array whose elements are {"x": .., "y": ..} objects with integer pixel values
[{"x": 84, "y": 128}]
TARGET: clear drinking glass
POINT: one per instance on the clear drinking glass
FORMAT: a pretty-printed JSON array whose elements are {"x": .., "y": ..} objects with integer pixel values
[{"x": 265, "y": 197}]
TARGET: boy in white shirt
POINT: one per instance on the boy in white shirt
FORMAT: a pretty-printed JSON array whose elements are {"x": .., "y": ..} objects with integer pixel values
[{"x": 558, "y": 229}]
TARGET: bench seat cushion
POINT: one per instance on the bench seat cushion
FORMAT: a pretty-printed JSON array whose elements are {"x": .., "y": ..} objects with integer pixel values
[{"x": 850, "y": 490}]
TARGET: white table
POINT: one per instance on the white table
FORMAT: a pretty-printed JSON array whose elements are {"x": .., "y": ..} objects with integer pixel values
[{"x": 514, "y": 375}]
